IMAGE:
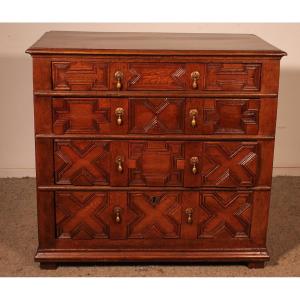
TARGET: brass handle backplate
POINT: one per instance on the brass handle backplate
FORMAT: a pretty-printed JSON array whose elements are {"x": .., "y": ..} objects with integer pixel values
[
  {"x": 195, "y": 77},
  {"x": 119, "y": 77},
  {"x": 193, "y": 115},
  {"x": 119, "y": 161},
  {"x": 189, "y": 213},
  {"x": 117, "y": 212},
  {"x": 119, "y": 113},
  {"x": 194, "y": 162}
]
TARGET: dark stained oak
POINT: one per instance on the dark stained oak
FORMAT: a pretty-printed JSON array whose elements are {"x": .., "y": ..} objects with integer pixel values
[
  {"x": 161, "y": 163},
  {"x": 173, "y": 218},
  {"x": 154, "y": 147},
  {"x": 151, "y": 43},
  {"x": 197, "y": 75}
]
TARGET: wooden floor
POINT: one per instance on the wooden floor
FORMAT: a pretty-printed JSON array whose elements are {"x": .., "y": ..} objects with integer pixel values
[{"x": 18, "y": 239}]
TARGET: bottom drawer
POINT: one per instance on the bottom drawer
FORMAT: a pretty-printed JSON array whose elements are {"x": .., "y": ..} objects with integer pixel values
[{"x": 158, "y": 219}]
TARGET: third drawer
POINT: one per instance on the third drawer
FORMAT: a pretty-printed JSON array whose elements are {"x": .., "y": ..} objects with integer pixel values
[{"x": 160, "y": 163}]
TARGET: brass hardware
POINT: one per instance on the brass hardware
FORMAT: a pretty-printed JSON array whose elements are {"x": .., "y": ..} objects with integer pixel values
[
  {"x": 119, "y": 161},
  {"x": 194, "y": 161},
  {"x": 119, "y": 113},
  {"x": 189, "y": 213},
  {"x": 119, "y": 76},
  {"x": 193, "y": 115},
  {"x": 117, "y": 212},
  {"x": 195, "y": 77}
]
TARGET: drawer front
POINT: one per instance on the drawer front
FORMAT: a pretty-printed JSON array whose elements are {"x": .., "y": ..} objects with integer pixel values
[
  {"x": 232, "y": 77},
  {"x": 82, "y": 162},
  {"x": 169, "y": 218},
  {"x": 156, "y": 115},
  {"x": 90, "y": 162},
  {"x": 80, "y": 75},
  {"x": 89, "y": 115},
  {"x": 153, "y": 163},
  {"x": 214, "y": 77},
  {"x": 100, "y": 75},
  {"x": 229, "y": 116},
  {"x": 162, "y": 163}
]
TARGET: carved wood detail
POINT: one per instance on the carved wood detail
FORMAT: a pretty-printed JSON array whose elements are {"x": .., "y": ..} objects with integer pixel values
[
  {"x": 155, "y": 163},
  {"x": 78, "y": 215},
  {"x": 231, "y": 116},
  {"x": 81, "y": 162},
  {"x": 230, "y": 163},
  {"x": 79, "y": 115},
  {"x": 79, "y": 75},
  {"x": 156, "y": 115},
  {"x": 160, "y": 219},
  {"x": 232, "y": 77},
  {"x": 225, "y": 215},
  {"x": 156, "y": 76},
  {"x": 178, "y": 129}
]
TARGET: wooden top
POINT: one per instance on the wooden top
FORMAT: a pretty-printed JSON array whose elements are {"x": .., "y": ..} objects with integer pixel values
[{"x": 134, "y": 43}]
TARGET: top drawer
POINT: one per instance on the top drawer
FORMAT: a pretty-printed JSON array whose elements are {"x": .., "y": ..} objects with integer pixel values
[
  {"x": 93, "y": 75},
  {"x": 119, "y": 74},
  {"x": 203, "y": 75}
]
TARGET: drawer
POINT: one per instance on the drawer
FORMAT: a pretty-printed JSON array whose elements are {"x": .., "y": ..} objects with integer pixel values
[
  {"x": 202, "y": 76},
  {"x": 100, "y": 75},
  {"x": 162, "y": 163},
  {"x": 158, "y": 218},
  {"x": 166, "y": 115}
]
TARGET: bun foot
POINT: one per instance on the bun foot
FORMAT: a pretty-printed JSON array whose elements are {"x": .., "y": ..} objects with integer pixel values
[
  {"x": 48, "y": 266},
  {"x": 256, "y": 265}
]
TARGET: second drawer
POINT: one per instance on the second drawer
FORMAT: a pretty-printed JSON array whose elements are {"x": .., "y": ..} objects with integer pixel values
[{"x": 163, "y": 116}]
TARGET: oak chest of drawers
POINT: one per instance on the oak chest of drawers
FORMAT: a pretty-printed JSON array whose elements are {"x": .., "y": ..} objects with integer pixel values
[{"x": 153, "y": 147}]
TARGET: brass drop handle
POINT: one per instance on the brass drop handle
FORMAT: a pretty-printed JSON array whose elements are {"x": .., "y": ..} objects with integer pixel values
[
  {"x": 189, "y": 213},
  {"x": 119, "y": 161},
  {"x": 117, "y": 212},
  {"x": 119, "y": 77},
  {"x": 195, "y": 77},
  {"x": 193, "y": 115},
  {"x": 194, "y": 162},
  {"x": 119, "y": 113}
]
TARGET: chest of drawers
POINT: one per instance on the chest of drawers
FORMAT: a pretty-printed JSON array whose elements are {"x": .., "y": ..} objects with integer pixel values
[{"x": 153, "y": 147}]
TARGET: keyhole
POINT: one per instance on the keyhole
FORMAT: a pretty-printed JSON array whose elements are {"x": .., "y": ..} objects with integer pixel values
[{"x": 154, "y": 200}]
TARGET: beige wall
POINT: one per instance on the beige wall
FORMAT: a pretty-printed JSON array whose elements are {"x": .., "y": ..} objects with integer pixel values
[{"x": 16, "y": 111}]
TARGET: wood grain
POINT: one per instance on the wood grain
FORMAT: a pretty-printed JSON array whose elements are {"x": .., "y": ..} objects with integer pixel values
[
  {"x": 152, "y": 43},
  {"x": 158, "y": 164}
]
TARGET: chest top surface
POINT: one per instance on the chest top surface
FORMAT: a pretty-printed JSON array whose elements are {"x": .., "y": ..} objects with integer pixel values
[{"x": 138, "y": 43}]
